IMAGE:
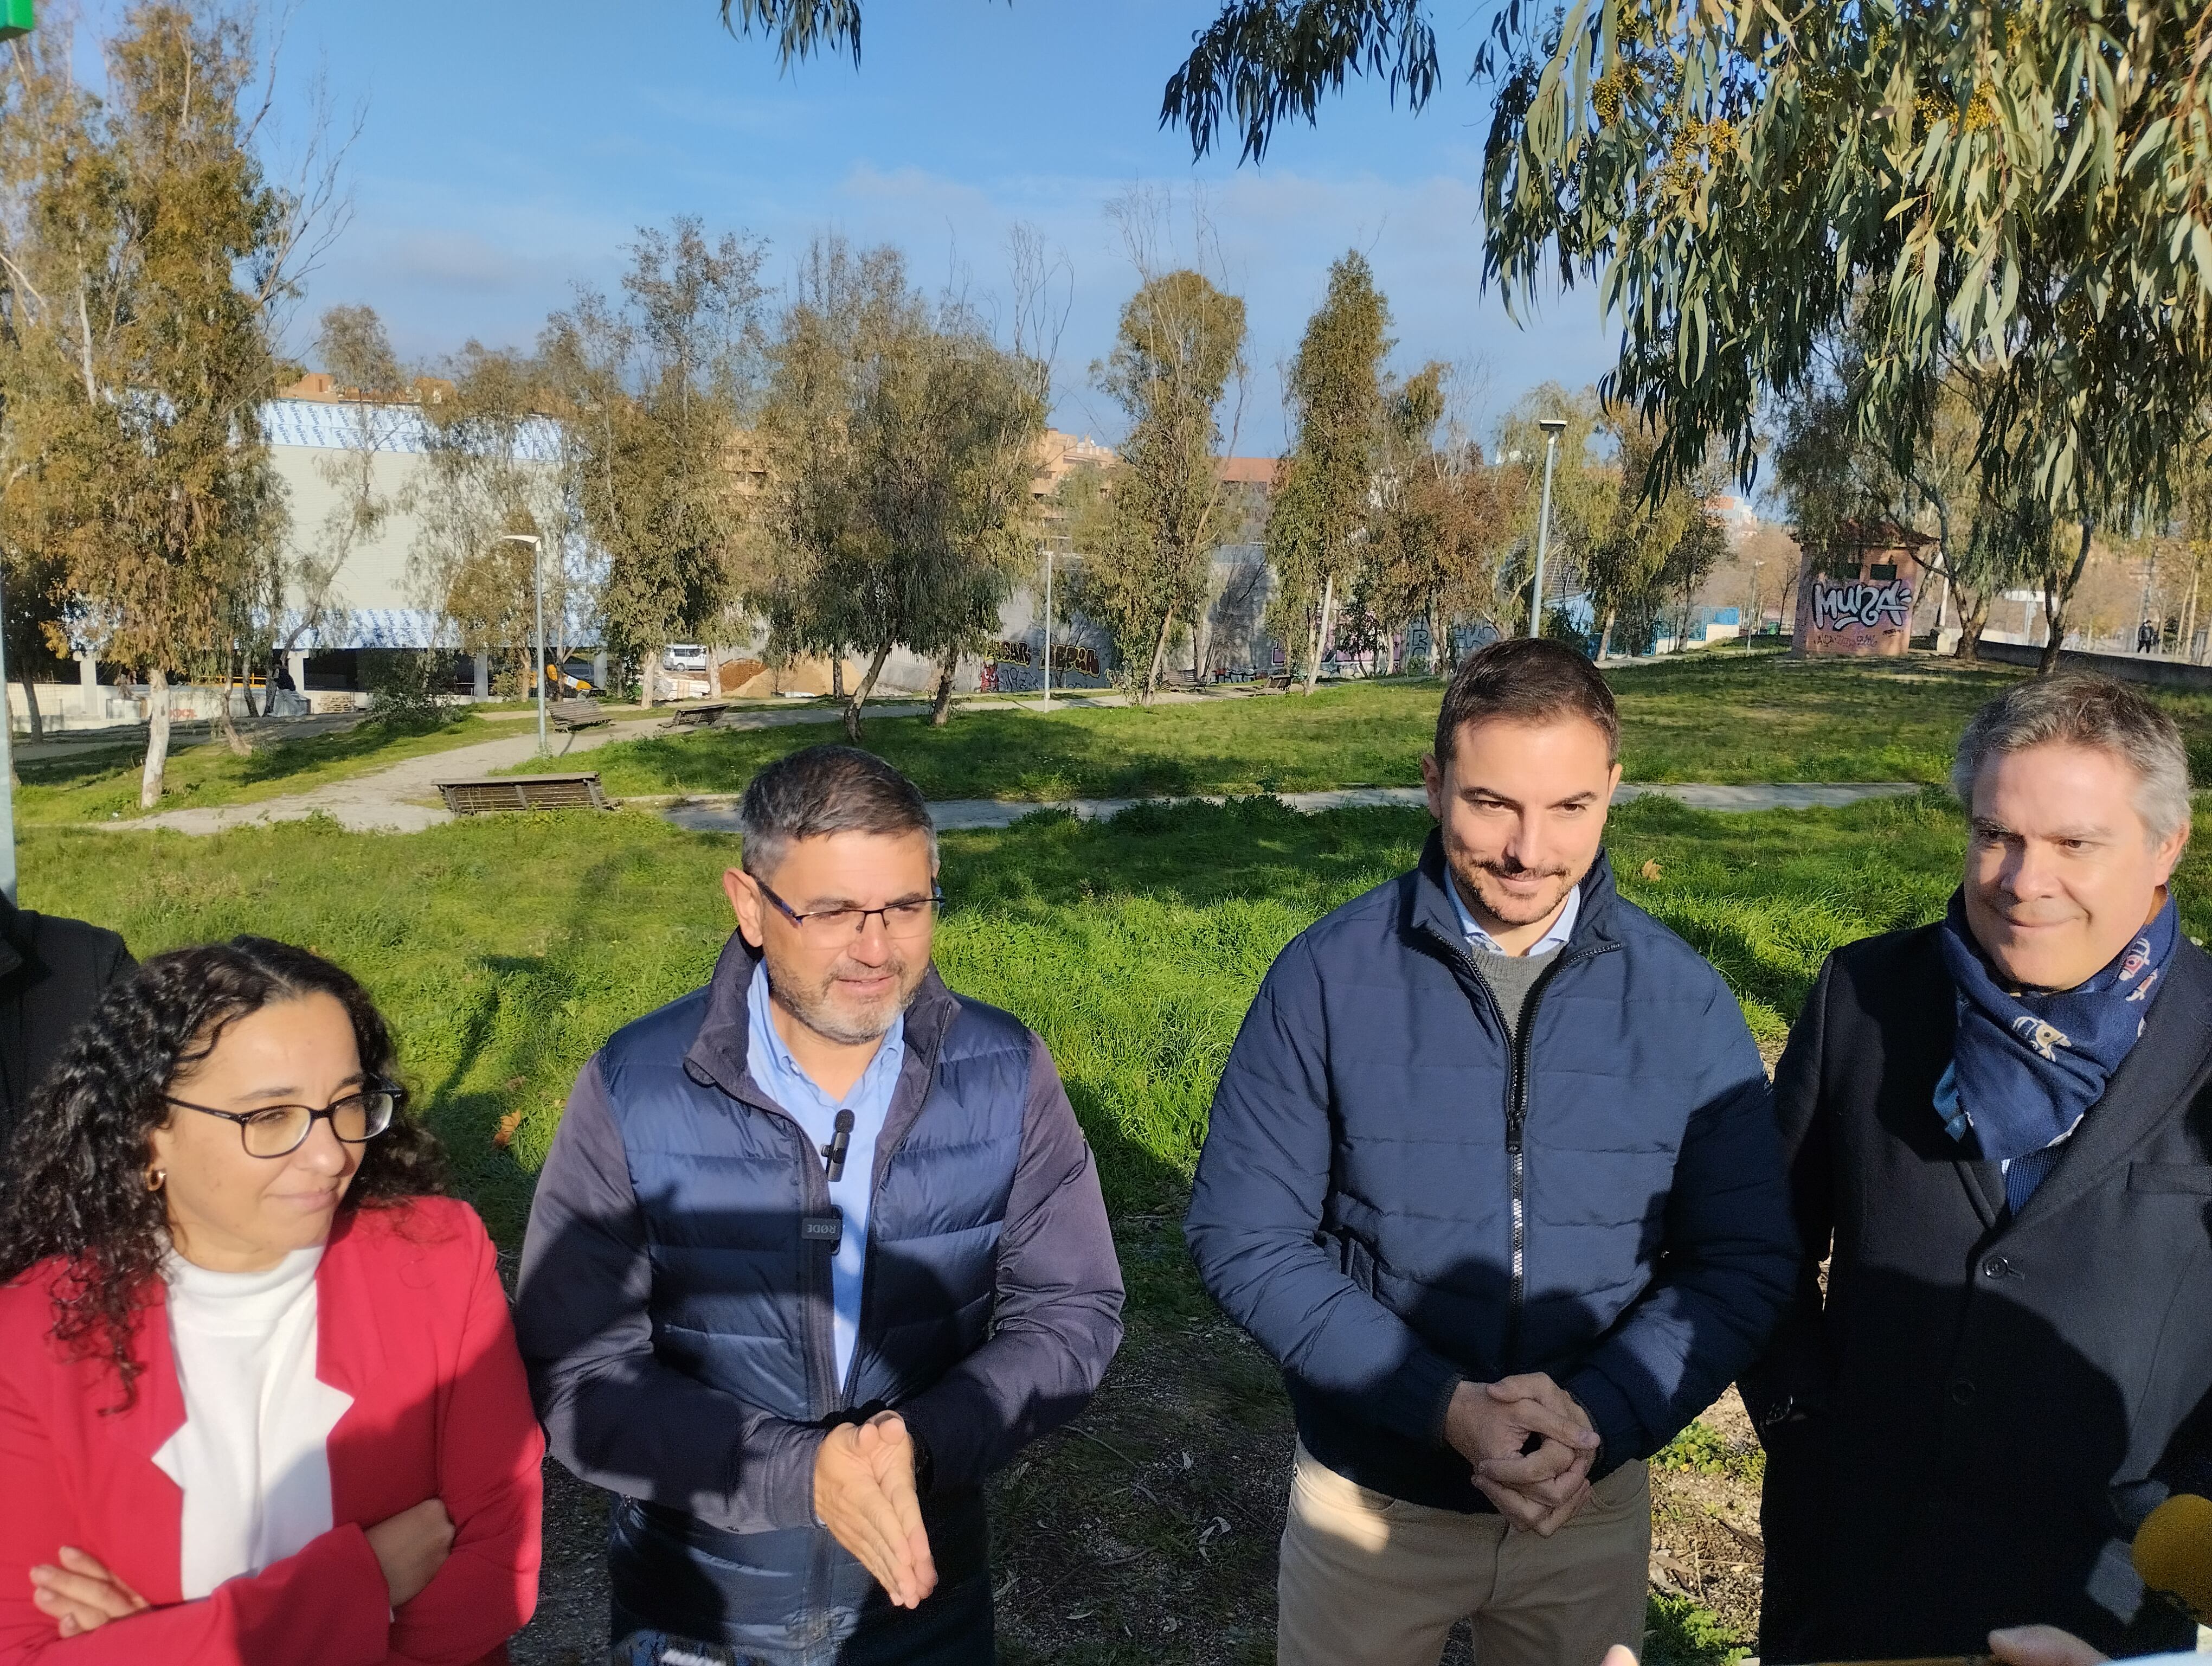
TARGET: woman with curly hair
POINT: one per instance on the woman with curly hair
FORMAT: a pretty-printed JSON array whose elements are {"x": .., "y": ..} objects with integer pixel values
[{"x": 259, "y": 1399}]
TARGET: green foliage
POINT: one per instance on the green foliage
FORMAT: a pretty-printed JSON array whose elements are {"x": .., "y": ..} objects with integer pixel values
[
  {"x": 1179, "y": 343},
  {"x": 2018, "y": 190},
  {"x": 408, "y": 691},
  {"x": 899, "y": 446},
  {"x": 1703, "y": 1450},
  {"x": 1334, "y": 390},
  {"x": 651, "y": 390},
  {"x": 1678, "y": 1632},
  {"x": 146, "y": 251}
]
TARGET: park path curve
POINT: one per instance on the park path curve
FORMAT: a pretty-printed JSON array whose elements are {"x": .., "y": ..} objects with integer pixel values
[{"x": 403, "y": 798}]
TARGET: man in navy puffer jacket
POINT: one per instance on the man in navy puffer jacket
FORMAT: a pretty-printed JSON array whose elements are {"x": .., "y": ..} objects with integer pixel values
[
  {"x": 1493, "y": 1172},
  {"x": 817, "y": 1248}
]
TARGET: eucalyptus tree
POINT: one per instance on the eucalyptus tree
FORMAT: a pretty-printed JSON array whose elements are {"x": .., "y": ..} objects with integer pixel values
[
  {"x": 655, "y": 390},
  {"x": 1333, "y": 388},
  {"x": 1179, "y": 346},
  {"x": 899, "y": 444},
  {"x": 147, "y": 252}
]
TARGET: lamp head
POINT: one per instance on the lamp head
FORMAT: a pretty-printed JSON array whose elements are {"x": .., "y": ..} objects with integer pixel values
[{"x": 1554, "y": 426}]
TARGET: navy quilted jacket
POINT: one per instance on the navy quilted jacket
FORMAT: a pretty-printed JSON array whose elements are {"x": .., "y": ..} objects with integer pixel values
[
  {"x": 1394, "y": 1196},
  {"x": 674, "y": 1305}
]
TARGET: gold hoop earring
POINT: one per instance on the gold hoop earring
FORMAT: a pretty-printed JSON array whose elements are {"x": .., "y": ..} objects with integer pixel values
[{"x": 155, "y": 1178}]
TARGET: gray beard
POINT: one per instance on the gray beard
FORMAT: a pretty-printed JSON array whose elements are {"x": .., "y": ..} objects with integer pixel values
[{"x": 812, "y": 1009}]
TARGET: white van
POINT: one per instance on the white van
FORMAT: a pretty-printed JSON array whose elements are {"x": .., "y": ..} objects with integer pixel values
[{"x": 684, "y": 656}]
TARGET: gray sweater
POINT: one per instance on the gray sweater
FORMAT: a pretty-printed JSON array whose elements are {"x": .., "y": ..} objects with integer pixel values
[{"x": 1511, "y": 977}]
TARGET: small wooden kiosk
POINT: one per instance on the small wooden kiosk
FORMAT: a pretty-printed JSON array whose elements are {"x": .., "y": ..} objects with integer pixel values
[{"x": 1856, "y": 590}]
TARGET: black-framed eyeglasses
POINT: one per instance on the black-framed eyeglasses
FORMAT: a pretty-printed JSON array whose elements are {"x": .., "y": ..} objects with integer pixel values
[
  {"x": 826, "y": 927},
  {"x": 279, "y": 1130}
]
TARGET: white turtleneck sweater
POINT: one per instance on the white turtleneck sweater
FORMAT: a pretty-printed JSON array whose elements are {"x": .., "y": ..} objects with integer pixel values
[{"x": 250, "y": 1455}]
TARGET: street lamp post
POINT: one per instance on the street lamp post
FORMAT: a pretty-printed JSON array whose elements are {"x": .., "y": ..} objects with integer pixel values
[
  {"x": 1554, "y": 427},
  {"x": 538, "y": 583}
]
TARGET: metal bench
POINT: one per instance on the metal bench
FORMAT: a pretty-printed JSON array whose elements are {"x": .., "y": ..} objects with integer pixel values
[
  {"x": 568, "y": 716},
  {"x": 481, "y": 794},
  {"x": 695, "y": 717}
]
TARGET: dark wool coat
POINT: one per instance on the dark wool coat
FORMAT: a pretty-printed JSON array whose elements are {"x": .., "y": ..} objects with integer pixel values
[
  {"x": 52, "y": 973},
  {"x": 1980, "y": 1405}
]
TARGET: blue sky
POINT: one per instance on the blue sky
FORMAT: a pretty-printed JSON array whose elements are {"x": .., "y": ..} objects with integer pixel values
[{"x": 511, "y": 150}]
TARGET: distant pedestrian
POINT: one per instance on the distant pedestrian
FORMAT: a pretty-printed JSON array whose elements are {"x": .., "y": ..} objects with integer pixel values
[
  {"x": 817, "y": 1248},
  {"x": 2146, "y": 635},
  {"x": 1492, "y": 1167}
]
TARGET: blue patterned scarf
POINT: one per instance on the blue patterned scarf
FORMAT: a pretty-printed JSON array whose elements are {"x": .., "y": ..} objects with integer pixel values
[{"x": 2026, "y": 1068}]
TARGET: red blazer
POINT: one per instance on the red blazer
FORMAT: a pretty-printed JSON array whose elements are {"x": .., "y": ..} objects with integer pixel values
[{"x": 413, "y": 1324}]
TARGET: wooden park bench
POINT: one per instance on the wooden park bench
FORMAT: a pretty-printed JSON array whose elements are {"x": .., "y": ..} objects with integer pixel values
[
  {"x": 1280, "y": 680},
  {"x": 568, "y": 716},
  {"x": 695, "y": 717},
  {"x": 481, "y": 794}
]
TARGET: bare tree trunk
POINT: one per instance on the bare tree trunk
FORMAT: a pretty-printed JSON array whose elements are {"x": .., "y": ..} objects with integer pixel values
[
  {"x": 31, "y": 705},
  {"x": 1320, "y": 631},
  {"x": 645, "y": 679},
  {"x": 1972, "y": 621},
  {"x": 837, "y": 673},
  {"x": 237, "y": 743},
  {"x": 1605, "y": 636},
  {"x": 2055, "y": 596},
  {"x": 1159, "y": 660},
  {"x": 941, "y": 713},
  {"x": 1436, "y": 639},
  {"x": 860, "y": 695},
  {"x": 157, "y": 739}
]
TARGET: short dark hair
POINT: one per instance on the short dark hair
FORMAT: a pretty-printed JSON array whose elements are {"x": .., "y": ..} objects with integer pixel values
[
  {"x": 821, "y": 790},
  {"x": 1526, "y": 679}
]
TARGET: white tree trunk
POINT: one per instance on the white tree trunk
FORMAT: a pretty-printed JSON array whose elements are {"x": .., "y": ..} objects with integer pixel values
[
  {"x": 645, "y": 679},
  {"x": 1321, "y": 634},
  {"x": 157, "y": 739}
]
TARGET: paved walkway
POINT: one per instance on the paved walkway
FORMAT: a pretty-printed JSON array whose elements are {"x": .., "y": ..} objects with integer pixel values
[{"x": 404, "y": 798}]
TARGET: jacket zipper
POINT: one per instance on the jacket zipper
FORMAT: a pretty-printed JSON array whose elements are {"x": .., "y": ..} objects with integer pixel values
[{"x": 1517, "y": 1117}]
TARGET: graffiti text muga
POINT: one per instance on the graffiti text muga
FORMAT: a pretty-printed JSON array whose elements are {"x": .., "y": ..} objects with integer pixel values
[{"x": 1865, "y": 602}]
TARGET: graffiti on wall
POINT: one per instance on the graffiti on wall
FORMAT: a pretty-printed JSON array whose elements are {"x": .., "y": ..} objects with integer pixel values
[{"x": 1869, "y": 604}]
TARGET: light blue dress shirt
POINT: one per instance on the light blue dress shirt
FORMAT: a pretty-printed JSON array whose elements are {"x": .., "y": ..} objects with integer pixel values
[
  {"x": 1553, "y": 938},
  {"x": 780, "y": 1077}
]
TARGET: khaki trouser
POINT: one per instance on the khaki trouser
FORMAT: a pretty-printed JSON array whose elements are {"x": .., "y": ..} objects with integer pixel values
[{"x": 1367, "y": 1580}]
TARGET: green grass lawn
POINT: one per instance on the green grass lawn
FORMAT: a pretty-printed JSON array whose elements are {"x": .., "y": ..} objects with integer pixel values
[
  {"x": 103, "y": 785},
  {"x": 1736, "y": 717},
  {"x": 507, "y": 948}
]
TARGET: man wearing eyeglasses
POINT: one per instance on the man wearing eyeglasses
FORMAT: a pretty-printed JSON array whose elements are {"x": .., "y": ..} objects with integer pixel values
[{"x": 816, "y": 1249}]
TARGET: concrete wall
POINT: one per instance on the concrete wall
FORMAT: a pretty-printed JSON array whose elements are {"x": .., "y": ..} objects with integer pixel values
[{"x": 2125, "y": 668}]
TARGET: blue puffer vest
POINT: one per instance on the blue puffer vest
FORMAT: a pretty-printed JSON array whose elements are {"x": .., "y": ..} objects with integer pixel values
[{"x": 741, "y": 1293}]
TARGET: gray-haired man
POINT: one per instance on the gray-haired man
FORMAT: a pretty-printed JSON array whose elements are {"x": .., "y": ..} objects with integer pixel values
[
  {"x": 1999, "y": 1127},
  {"x": 817, "y": 1248}
]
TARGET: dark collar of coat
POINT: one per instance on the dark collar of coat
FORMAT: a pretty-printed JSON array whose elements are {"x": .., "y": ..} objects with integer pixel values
[
  {"x": 717, "y": 1054},
  {"x": 2162, "y": 1073},
  {"x": 1428, "y": 909}
]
